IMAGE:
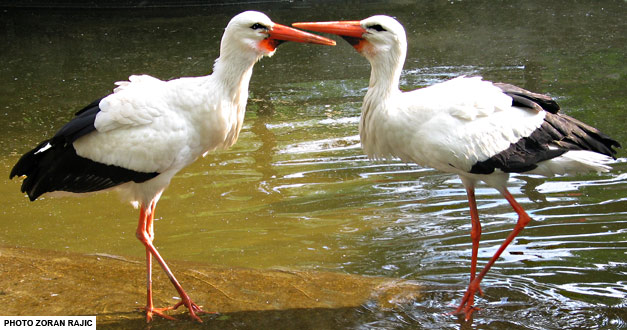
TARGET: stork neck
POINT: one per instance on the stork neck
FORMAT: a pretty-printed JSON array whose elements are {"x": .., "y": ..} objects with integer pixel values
[
  {"x": 233, "y": 71},
  {"x": 386, "y": 72},
  {"x": 384, "y": 81},
  {"x": 228, "y": 86}
]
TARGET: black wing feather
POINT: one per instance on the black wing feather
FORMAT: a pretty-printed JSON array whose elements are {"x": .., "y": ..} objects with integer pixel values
[
  {"x": 59, "y": 168},
  {"x": 526, "y": 99},
  {"x": 559, "y": 131}
]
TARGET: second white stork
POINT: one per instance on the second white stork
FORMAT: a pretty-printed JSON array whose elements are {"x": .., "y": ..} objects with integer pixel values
[
  {"x": 480, "y": 130},
  {"x": 136, "y": 139}
]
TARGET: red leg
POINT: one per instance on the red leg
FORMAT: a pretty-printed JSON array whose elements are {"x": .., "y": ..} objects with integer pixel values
[
  {"x": 475, "y": 232},
  {"x": 145, "y": 233},
  {"x": 146, "y": 226},
  {"x": 475, "y": 235},
  {"x": 523, "y": 219}
]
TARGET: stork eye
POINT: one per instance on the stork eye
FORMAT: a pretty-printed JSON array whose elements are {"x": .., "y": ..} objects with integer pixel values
[
  {"x": 377, "y": 27},
  {"x": 257, "y": 26}
]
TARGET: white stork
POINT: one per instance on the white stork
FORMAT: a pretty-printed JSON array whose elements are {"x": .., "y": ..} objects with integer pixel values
[
  {"x": 480, "y": 130},
  {"x": 137, "y": 138}
]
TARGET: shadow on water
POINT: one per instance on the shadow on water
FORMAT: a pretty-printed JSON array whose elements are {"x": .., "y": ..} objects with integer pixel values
[{"x": 296, "y": 192}]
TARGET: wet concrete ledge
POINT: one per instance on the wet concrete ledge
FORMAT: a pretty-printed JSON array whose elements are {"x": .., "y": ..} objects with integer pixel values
[{"x": 36, "y": 282}]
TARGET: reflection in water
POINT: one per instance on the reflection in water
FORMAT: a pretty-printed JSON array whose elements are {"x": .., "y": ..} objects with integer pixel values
[
  {"x": 296, "y": 190},
  {"x": 263, "y": 155}
]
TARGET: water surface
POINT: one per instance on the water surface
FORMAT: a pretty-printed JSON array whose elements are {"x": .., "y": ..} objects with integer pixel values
[{"x": 296, "y": 192}]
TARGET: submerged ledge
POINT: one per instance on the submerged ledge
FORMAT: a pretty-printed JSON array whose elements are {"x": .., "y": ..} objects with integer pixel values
[{"x": 39, "y": 282}]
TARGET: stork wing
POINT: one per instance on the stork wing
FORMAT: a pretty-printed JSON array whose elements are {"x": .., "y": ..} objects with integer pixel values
[
  {"x": 467, "y": 120},
  {"x": 135, "y": 102},
  {"x": 477, "y": 126},
  {"x": 139, "y": 127}
]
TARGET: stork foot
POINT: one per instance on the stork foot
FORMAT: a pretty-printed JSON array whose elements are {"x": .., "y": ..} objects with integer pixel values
[
  {"x": 151, "y": 311},
  {"x": 467, "y": 310},
  {"x": 192, "y": 307},
  {"x": 466, "y": 305}
]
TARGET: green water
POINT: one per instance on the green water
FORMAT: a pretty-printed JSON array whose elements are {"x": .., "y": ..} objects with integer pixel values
[{"x": 297, "y": 192}]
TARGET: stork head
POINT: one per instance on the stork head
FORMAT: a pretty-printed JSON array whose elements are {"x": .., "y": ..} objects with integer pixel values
[
  {"x": 373, "y": 37},
  {"x": 252, "y": 31}
]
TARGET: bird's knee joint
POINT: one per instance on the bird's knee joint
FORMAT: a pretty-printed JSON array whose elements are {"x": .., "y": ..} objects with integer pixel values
[
  {"x": 143, "y": 237},
  {"x": 523, "y": 221}
]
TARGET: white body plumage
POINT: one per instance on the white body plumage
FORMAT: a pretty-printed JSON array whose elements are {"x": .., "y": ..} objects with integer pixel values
[
  {"x": 480, "y": 130},
  {"x": 449, "y": 126},
  {"x": 150, "y": 125},
  {"x": 136, "y": 139}
]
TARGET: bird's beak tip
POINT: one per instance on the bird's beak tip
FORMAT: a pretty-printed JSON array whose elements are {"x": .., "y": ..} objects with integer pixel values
[{"x": 286, "y": 33}]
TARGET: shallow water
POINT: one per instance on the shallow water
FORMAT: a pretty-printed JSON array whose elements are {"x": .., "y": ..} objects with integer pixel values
[{"x": 296, "y": 191}]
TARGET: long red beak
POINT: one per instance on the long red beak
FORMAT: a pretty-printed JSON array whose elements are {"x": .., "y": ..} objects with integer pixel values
[
  {"x": 351, "y": 29},
  {"x": 286, "y": 33}
]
